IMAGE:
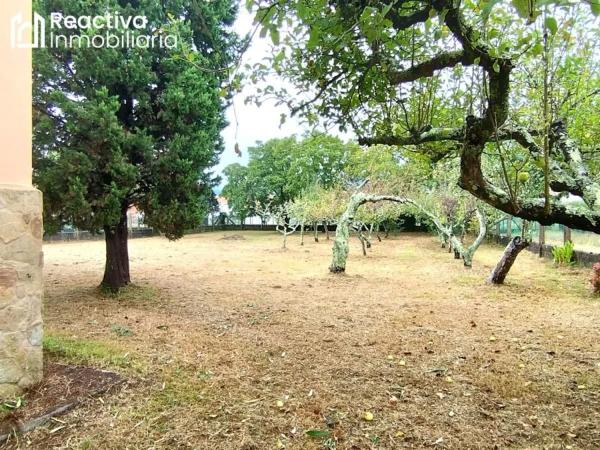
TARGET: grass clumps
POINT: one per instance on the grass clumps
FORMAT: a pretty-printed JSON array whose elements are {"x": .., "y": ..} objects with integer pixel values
[
  {"x": 131, "y": 293},
  {"x": 86, "y": 352},
  {"x": 563, "y": 256}
]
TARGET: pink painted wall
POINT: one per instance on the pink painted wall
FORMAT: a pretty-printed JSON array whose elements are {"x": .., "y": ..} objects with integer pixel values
[{"x": 15, "y": 99}]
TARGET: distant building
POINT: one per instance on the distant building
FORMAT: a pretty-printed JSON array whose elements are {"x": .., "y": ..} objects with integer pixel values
[
  {"x": 223, "y": 205},
  {"x": 135, "y": 218},
  {"x": 225, "y": 216}
]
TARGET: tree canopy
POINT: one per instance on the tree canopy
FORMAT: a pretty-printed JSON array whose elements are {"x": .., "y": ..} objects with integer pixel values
[
  {"x": 493, "y": 84},
  {"x": 115, "y": 128},
  {"x": 280, "y": 170}
]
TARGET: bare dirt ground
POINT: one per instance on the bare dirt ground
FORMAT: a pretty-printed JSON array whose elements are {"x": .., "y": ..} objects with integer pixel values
[
  {"x": 62, "y": 389},
  {"x": 236, "y": 344}
]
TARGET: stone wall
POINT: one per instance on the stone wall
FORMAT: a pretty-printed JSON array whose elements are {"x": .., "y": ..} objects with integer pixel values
[{"x": 21, "y": 261}]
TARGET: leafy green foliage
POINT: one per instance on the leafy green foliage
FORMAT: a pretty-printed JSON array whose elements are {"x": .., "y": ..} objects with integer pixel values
[
  {"x": 280, "y": 170},
  {"x": 120, "y": 127},
  {"x": 394, "y": 72},
  {"x": 563, "y": 255},
  {"x": 318, "y": 204},
  {"x": 240, "y": 191}
]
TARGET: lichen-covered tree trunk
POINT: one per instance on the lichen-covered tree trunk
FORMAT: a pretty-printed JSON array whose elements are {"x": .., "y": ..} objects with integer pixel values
[
  {"x": 454, "y": 243},
  {"x": 286, "y": 229},
  {"x": 467, "y": 253},
  {"x": 340, "y": 247},
  {"x": 342, "y": 235},
  {"x": 512, "y": 250},
  {"x": 342, "y": 231},
  {"x": 367, "y": 240},
  {"x": 360, "y": 229},
  {"x": 443, "y": 239},
  {"x": 363, "y": 244}
]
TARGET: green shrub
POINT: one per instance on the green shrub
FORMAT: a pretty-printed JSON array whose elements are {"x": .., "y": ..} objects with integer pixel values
[{"x": 563, "y": 255}]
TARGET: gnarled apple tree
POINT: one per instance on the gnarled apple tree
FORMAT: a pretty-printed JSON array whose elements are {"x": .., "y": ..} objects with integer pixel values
[
  {"x": 500, "y": 77},
  {"x": 344, "y": 223}
]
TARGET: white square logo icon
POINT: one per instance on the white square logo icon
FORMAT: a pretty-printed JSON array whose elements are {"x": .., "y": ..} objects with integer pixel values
[{"x": 20, "y": 29}]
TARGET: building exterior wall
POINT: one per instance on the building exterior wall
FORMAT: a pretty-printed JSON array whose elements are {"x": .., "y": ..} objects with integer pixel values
[
  {"x": 15, "y": 114},
  {"x": 21, "y": 231},
  {"x": 21, "y": 261}
]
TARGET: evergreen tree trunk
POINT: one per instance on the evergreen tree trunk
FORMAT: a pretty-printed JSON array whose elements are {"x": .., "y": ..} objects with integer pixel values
[
  {"x": 512, "y": 250},
  {"x": 316, "y": 231},
  {"x": 302, "y": 234},
  {"x": 326, "y": 230},
  {"x": 116, "y": 269}
]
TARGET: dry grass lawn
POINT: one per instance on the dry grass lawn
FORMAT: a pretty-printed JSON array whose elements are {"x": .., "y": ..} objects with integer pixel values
[{"x": 235, "y": 344}]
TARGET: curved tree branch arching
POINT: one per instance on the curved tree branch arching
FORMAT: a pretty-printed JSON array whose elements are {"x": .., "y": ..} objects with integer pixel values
[
  {"x": 344, "y": 92},
  {"x": 342, "y": 234},
  {"x": 571, "y": 177}
]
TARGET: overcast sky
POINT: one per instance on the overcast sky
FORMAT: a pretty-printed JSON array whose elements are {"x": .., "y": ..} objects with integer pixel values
[{"x": 255, "y": 123}]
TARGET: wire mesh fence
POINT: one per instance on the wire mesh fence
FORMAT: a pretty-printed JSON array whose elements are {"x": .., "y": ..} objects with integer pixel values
[{"x": 554, "y": 235}]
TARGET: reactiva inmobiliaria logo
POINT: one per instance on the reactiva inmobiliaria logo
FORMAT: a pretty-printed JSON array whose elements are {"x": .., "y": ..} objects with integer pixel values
[{"x": 111, "y": 30}]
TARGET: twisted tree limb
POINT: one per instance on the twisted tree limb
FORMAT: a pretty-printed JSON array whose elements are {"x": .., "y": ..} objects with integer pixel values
[
  {"x": 342, "y": 234},
  {"x": 571, "y": 177}
]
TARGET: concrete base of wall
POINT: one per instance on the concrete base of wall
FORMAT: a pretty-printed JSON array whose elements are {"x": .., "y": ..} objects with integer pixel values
[{"x": 21, "y": 261}]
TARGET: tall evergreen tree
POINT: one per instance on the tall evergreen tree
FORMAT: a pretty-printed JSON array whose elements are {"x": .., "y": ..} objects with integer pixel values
[{"x": 122, "y": 127}]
